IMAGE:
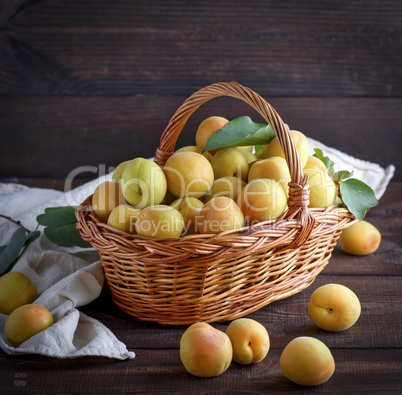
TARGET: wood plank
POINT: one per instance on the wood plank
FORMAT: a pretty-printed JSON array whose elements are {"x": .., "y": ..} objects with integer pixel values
[
  {"x": 285, "y": 319},
  {"x": 126, "y": 48},
  {"x": 55, "y": 135},
  {"x": 161, "y": 372}
]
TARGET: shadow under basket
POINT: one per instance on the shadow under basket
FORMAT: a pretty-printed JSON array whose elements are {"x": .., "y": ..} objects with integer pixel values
[{"x": 218, "y": 277}]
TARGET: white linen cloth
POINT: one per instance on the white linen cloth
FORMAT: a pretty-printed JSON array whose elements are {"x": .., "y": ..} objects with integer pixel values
[{"x": 68, "y": 278}]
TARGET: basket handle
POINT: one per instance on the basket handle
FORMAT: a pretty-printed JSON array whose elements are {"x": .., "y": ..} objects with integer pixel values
[{"x": 298, "y": 187}]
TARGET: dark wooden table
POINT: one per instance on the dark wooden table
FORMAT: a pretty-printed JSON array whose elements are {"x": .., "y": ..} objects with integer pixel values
[{"x": 368, "y": 356}]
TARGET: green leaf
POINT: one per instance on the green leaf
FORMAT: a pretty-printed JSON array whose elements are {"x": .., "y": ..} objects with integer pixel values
[
  {"x": 60, "y": 227},
  {"x": 238, "y": 132},
  {"x": 31, "y": 236},
  {"x": 12, "y": 250},
  {"x": 358, "y": 197},
  {"x": 57, "y": 216},
  {"x": 329, "y": 164},
  {"x": 66, "y": 235},
  {"x": 342, "y": 175}
]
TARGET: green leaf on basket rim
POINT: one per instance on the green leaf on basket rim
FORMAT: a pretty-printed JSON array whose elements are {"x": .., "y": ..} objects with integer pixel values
[
  {"x": 329, "y": 164},
  {"x": 60, "y": 227},
  {"x": 241, "y": 131},
  {"x": 10, "y": 253},
  {"x": 342, "y": 175},
  {"x": 357, "y": 196}
]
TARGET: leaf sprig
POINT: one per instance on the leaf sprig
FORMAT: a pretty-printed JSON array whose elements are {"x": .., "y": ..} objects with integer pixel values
[
  {"x": 357, "y": 196},
  {"x": 239, "y": 132},
  {"x": 10, "y": 253},
  {"x": 60, "y": 228}
]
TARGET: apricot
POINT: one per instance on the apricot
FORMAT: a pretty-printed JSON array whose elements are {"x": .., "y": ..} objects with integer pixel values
[
  {"x": 106, "y": 197},
  {"x": 307, "y": 361},
  {"x": 25, "y": 322},
  {"x": 334, "y": 307},
  {"x": 262, "y": 200},
  {"x": 274, "y": 168},
  {"x": 315, "y": 163},
  {"x": 190, "y": 208},
  {"x": 194, "y": 148},
  {"x": 188, "y": 174},
  {"x": 220, "y": 214},
  {"x": 207, "y": 128},
  {"x": 322, "y": 188},
  {"x": 205, "y": 351},
  {"x": 300, "y": 140},
  {"x": 229, "y": 162},
  {"x": 118, "y": 171},
  {"x": 16, "y": 289},
  {"x": 159, "y": 221},
  {"x": 250, "y": 340},
  {"x": 123, "y": 217},
  {"x": 143, "y": 183},
  {"x": 361, "y": 238},
  {"x": 225, "y": 186},
  {"x": 251, "y": 158},
  {"x": 245, "y": 148}
]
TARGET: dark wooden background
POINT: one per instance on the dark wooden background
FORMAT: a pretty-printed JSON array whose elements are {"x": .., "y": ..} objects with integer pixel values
[{"x": 93, "y": 83}]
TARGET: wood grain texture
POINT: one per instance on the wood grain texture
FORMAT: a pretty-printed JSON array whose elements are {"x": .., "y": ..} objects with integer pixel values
[
  {"x": 57, "y": 135},
  {"x": 103, "y": 47}
]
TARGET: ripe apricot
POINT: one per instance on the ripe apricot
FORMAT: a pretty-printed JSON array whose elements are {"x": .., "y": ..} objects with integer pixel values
[
  {"x": 361, "y": 238},
  {"x": 205, "y": 351},
  {"x": 207, "y": 128},
  {"x": 106, "y": 197},
  {"x": 307, "y": 361},
  {"x": 300, "y": 140},
  {"x": 16, "y": 289},
  {"x": 26, "y": 321}
]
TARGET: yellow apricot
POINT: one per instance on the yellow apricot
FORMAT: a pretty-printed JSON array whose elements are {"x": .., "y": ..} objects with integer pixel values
[
  {"x": 205, "y": 351},
  {"x": 322, "y": 188},
  {"x": 207, "y": 128},
  {"x": 188, "y": 174},
  {"x": 123, "y": 217},
  {"x": 274, "y": 168},
  {"x": 250, "y": 340},
  {"x": 190, "y": 208},
  {"x": 220, "y": 214},
  {"x": 307, "y": 361},
  {"x": 300, "y": 140},
  {"x": 106, "y": 197},
  {"x": 262, "y": 200},
  {"x": 315, "y": 163},
  {"x": 334, "y": 307},
  {"x": 225, "y": 186},
  {"x": 229, "y": 162},
  {"x": 16, "y": 289},
  {"x": 26, "y": 321},
  {"x": 118, "y": 171},
  {"x": 361, "y": 238},
  {"x": 194, "y": 148},
  {"x": 251, "y": 158},
  {"x": 159, "y": 221}
]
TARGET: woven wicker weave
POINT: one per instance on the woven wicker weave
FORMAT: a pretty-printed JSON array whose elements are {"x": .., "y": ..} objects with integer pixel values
[{"x": 179, "y": 281}]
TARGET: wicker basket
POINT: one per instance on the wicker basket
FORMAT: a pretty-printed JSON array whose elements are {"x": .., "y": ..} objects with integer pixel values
[{"x": 179, "y": 281}]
